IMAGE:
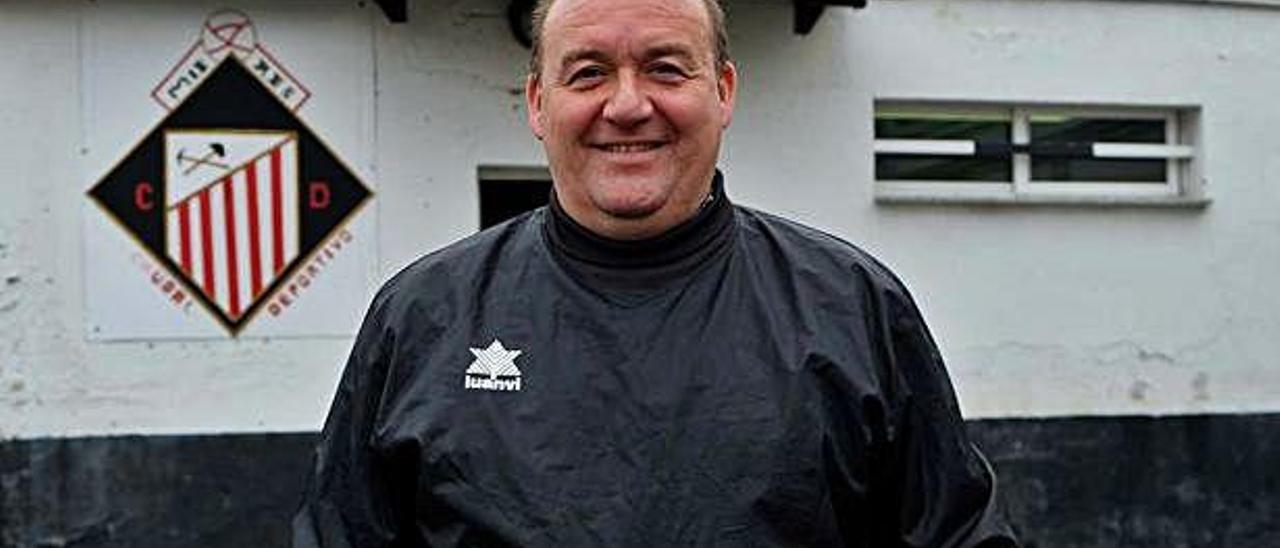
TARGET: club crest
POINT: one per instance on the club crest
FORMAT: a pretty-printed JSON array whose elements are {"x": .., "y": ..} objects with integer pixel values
[{"x": 231, "y": 192}]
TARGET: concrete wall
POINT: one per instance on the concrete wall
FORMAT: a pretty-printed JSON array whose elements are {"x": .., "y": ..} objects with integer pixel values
[
  {"x": 1072, "y": 310},
  {"x": 1064, "y": 310},
  {"x": 1044, "y": 313}
]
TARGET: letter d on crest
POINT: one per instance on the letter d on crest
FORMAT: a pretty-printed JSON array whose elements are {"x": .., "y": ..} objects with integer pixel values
[{"x": 318, "y": 194}]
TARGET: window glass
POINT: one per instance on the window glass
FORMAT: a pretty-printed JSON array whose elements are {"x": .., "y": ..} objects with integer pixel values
[
  {"x": 989, "y": 151},
  {"x": 1111, "y": 170},
  {"x": 1067, "y": 133},
  {"x": 972, "y": 128},
  {"x": 908, "y": 167},
  {"x": 1093, "y": 130},
  {"x": 976, "y": 127}
]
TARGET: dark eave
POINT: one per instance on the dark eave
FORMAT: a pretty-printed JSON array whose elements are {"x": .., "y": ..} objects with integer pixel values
[
  {"x": 806, "y": 14},
  {"x": 396, "y": 10}
]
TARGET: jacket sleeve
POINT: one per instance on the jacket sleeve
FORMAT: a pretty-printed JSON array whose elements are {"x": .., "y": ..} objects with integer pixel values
[
  {"x": 935, "y": 487},
  {"x": 351, "y": 498}
]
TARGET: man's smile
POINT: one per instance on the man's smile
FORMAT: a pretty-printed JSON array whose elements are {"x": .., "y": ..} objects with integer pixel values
[{"x": 631, "y": 147}]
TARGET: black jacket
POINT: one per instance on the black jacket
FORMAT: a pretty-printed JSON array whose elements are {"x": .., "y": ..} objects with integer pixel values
[{"x": 738, "y": 381}]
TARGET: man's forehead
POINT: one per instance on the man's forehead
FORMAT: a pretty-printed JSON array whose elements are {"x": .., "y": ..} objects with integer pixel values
[
  {"x": 631, "y": 8},
  {"x": 570, "y": 15},
  {"x": 672, "y": 26}
]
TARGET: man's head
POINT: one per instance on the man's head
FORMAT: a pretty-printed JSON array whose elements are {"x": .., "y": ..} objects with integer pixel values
[{"x": 630, "y": 98}]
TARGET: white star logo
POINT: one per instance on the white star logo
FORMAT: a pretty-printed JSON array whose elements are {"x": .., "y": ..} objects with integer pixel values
[{"x": 494, "y": 361}]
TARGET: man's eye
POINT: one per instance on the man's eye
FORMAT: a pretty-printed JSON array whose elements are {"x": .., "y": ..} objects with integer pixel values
[
  {"x": 586, "y": 74},
  {"x": 668, "y": 71}
]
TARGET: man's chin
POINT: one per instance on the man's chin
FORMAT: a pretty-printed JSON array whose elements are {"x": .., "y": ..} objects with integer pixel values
[
  {"x": 630, "y": 199},
  {"x": 630, "y": 211}
]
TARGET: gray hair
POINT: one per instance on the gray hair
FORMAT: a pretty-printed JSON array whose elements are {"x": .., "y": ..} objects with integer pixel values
[{"x": 719, "y": 35}]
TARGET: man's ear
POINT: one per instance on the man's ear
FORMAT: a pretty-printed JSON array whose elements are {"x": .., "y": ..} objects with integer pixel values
[
  {"x": 533, "y": 104},
  {"x": 727, "y": 87}
]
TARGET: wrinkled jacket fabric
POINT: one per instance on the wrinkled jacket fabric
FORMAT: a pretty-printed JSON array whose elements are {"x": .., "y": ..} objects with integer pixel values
[{"x": 741, "y": 380}]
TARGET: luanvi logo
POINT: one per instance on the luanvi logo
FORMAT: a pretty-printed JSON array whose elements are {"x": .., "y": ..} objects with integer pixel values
[
  {"x": 493, "y": 369},
  {"x": 231, "y": 192}
]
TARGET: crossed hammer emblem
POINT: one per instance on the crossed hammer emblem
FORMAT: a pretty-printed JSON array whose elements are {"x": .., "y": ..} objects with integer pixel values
[{"x": 210, "y": 159}]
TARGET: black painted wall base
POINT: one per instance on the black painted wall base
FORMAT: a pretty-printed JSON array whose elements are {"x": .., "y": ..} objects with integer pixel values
[
  {"x": 230, "y": 490},
  {"x": 1174, "y": 482},
  {"x": 1067, "y": 482}
]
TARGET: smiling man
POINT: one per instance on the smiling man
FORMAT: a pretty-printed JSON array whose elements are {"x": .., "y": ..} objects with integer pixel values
[
  {"x": 643, "y": 363},
  {"x": 630, "y": 99}
]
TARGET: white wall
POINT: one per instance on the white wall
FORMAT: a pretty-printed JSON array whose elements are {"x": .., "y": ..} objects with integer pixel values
[
  {"x": 1079, "y": 311},
  {"x": 1039, "y": 310}
]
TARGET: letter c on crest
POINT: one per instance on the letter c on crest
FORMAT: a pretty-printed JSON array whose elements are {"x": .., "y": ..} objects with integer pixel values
[{"x": 142, "y": 196}]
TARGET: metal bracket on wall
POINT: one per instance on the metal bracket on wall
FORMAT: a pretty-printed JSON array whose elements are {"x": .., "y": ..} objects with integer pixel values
[
  {"x": 520, "y": 21},
  {"x": 396, "y": 10},
  {"x": 807, "y": 13}
]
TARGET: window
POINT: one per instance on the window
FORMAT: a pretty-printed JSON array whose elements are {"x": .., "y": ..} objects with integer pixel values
[
  {"x": 509, "y": 191},
  {"x": 996, "y": 153}
]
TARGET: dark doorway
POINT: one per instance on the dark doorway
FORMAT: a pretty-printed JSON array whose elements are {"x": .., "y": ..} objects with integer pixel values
[{"x": 506, "y": 192}]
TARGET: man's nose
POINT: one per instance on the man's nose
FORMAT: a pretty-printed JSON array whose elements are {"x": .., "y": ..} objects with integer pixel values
[{"x": 629, "y": 104}]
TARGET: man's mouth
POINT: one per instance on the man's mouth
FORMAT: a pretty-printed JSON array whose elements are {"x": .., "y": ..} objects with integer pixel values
[{"x": 628, "y": 148}]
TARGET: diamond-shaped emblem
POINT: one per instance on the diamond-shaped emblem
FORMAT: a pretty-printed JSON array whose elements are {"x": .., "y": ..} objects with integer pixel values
[{"x": 231, "y": 192}]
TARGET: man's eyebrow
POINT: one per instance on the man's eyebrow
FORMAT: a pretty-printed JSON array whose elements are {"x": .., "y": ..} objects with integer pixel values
[
  {"x": 655, "y": 52},
  {"x": 582, "y": 54},
  {"x": 669, "y": 50}
]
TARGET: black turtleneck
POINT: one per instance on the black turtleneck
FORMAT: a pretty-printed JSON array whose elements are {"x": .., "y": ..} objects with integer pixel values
[
  {"x": 648, "y": 262},
  {"x": 737, "y": 380}
]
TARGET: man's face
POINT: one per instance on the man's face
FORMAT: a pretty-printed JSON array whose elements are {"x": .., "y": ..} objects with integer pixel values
[{"x": 630, "y": 104}]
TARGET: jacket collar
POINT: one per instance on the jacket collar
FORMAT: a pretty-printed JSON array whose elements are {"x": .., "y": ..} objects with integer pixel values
[{"x": 678, "y": 250}]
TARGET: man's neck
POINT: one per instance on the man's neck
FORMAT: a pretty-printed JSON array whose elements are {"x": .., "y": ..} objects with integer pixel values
[
  {"x": 639, "y": 228},
  {"x": 679, "y": 247}
]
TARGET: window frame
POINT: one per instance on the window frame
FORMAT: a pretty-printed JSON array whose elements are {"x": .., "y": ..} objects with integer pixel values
[{"x": 1182, "y": 184}]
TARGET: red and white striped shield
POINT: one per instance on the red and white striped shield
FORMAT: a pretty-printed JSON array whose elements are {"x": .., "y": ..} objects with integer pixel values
[{"x": 232, "y": 211}]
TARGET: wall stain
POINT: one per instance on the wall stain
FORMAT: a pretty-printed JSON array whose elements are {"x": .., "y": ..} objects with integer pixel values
[
  {"x": 1126, "y": 351},
  {"x": 1200, "y": 386},
  {"x": 1002, "y": 37},
  {"x": 1154, "y": 356},
  {"x": 1138, "y": 390},
  {"x": 947, "y": 13}
]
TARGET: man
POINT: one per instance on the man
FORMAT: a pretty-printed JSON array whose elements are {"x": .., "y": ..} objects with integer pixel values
[{"x": 643, "y": 363}]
